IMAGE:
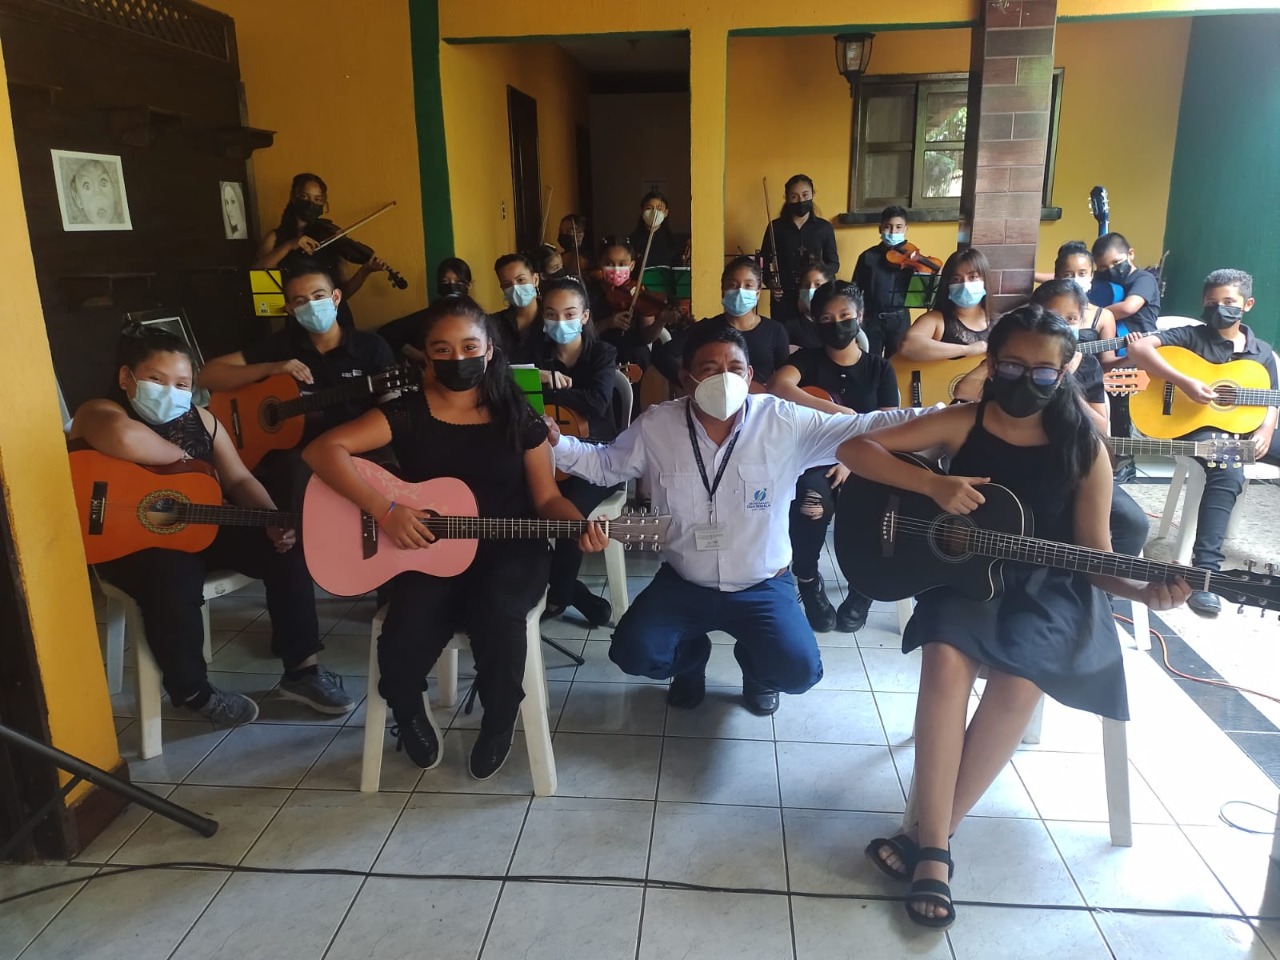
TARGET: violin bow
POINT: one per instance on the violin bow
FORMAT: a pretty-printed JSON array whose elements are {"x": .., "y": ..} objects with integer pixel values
[
  {"x": 542, "y": 227},
  {"x": 773, "y": 238},
  {"x": 644, "y": 262},
  {"x": 359, "y": 223}
]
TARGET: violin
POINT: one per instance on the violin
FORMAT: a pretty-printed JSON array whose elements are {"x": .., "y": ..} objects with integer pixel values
[
  {"x": 328, "y": 233},
  {"x": 907, "y": 256}
]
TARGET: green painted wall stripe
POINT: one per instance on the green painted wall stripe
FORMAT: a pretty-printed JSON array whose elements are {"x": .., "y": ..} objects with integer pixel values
[{"x": 428, "y": 108}]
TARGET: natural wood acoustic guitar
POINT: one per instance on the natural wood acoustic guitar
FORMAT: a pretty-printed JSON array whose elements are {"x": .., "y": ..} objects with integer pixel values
[{"x": 1243, "y": 388}]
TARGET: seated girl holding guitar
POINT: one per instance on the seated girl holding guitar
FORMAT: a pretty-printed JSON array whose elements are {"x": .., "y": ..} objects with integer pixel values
[
  {"x": 1051, "y": 630},
  {"x": 578, "y": 374},
  {"x": 850, "y": 381},
  {"x": 471, "y": 422},
  {"x": 148, "y": 419}
]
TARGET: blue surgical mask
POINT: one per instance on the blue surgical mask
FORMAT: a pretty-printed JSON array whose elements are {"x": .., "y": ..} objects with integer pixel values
[
  {"x": 562, "y": 331},
  {"x": 738, "y": 303},
  {"x": 893, "y": 239},
  {"x": 520, "y": 295},
  {"x": 1075, "y": 332},
  {"x": 316, "y": 316},
  {"x": 157, "y": 403},
  {"x": 806, "y": 297},
  {"x": 967, "y": 294}
]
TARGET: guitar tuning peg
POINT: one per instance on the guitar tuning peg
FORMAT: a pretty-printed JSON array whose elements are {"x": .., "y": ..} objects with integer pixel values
[
  {"x": 1240, "y": 609},
  {"x": 1249, "y": 564},
  {"x": 1271, "y": 568}
]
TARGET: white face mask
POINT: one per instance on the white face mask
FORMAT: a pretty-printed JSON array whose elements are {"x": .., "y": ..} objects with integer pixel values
[
  {"x": 653, "y": 217},
  {"x": 721, "y": 395}
]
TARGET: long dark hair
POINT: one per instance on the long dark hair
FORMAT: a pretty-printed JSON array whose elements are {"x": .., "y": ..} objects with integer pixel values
[
  {"x": 498, "y": 392},
  {"x": 135, "y": 344},
  {"x": 287, "y": 229},
  {"x": 960, "y": 262},
  {"x": 1072, "y": 437},
  {"x": 833, "y": 290}
]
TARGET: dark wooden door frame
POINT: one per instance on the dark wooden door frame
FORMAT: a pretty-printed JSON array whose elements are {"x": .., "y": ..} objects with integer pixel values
[{"x": 526, "y": 177}]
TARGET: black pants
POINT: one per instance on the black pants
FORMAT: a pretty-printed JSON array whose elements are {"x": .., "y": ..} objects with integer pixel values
[
  {"x": 169, "y": 588},
  {"x": 566, "y": 556},
  {"x": 490, "y": 602},
  {"x": 808, "y": 534},
  {"x": 1221, "y": 490},
  {"x": 885, "y": 331},
  {"x": 1129, "y": 525},
  {"x": 285, "y": 476}
]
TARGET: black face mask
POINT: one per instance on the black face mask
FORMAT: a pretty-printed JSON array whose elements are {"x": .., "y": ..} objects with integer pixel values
[
  {"x": 453, "y": 288},
  {"x": 459, "y": 375},
  {"x": 800, "y": 208},
  {"x": 1220, "y": 316},
  {"x": 1021, "y": 397},
  {"x": 1118, "y": 271},
  {"x": 306, "y": 210},
  {"x": 566, "y": 242},
  {"x": 837, "y": 335}
]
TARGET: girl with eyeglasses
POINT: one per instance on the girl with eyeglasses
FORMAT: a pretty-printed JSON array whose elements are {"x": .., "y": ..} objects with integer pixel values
[{"x": 1050, "y": 632}]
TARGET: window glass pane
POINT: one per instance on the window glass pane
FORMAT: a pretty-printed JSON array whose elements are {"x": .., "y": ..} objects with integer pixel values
[
  {"x": 890, "y": 117},
  {"x": 941, "y": 173},
  {"x": 887, "y": 176},
  {"x": 945, "y": 113}
]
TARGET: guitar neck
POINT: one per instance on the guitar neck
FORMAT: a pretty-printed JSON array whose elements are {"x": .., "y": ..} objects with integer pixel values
[
  {"x": 227, "y": 516},
  {"x": 1249, "y": 397},
  {"x": 1146, "y": 447},
  {"x": 312, "y": 402},
  {"x": 492, "y": 528},
  {"x": 1102, "y": 346}
]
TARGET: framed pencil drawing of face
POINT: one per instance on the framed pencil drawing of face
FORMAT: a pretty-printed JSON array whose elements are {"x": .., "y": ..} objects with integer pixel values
[
  {"x": 235, "y": 225},
  {"x": 91, "y": 191}
]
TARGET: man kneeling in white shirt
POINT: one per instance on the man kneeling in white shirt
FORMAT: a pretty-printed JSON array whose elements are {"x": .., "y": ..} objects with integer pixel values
[{"x": 723, "y": 465}]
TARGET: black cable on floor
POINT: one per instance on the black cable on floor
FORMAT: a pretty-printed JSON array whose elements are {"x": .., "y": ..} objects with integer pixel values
[{"x": 200, "y": 866}]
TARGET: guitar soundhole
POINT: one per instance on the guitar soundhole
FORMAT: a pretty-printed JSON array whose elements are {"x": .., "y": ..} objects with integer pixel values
[
  {"x": 158, "y": 512},
  {"x": 268, "y": 417},
  {"x": 1226, "y": 394},
  {"x": 949, "y": 538}
]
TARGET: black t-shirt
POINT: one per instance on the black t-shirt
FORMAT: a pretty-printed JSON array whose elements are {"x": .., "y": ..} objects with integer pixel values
[
  {"x": 593, "y": 383},
  {"x": 866, "y": 386},
  {"x": 517, "y": 346},
  {"x": 1206, "y": 342},
  {"x": 478, "y": 454},
  {"x": 1142, "y": 283},
  {"x": 768, "y": 347},
  {"x": 883, "y": 286},
  {"x": 358, "y": 354},
  {"x": 814, "y": 239},
  {"x": 1089, "y": 373}
]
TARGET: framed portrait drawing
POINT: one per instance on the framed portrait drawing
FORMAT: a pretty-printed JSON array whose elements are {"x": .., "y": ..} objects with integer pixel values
[
  {"x": 91, "y": 191},
  {"x": 235, "y": 225}
]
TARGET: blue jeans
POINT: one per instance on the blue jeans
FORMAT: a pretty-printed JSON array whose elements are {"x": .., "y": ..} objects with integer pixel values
[{"x": 664, "y": 633}]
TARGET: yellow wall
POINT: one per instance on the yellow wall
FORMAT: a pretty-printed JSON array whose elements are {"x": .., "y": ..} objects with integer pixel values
[
  {"x": 37, "y": 495},
  {"x": 475, "y": 80},
  {"x": 335, "y": 81},
  {"x": 1130, "y": 154}
]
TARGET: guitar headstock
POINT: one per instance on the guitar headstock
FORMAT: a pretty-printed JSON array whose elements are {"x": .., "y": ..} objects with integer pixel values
[
  {"x": 1226, "y": 450},
  {"x": 1125, "y": 381},
  {"x": 401, "y": 377},
  {"x": 1099, "y": 205},
  {"x": 640, "y": 531},
  {"x": 1250, "y": 587}
]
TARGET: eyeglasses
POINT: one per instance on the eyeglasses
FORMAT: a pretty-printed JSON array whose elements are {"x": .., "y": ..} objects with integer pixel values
[{"x": 1040, "y": 376}]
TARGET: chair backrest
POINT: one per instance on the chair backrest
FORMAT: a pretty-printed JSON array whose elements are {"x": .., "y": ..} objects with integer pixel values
[
  {"x": 62, "y": 406},
  {"x": 1169, "y": 323},
  {"x": 623, "y": 400}
]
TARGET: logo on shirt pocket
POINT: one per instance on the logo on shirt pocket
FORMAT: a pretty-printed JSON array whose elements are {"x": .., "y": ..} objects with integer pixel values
[{"x": 757, "y": 487}]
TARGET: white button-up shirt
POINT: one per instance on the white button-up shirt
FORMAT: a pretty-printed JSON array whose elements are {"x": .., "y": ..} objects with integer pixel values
[{"x": 776, "y": 442}]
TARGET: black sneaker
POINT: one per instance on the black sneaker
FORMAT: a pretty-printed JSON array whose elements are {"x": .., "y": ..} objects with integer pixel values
[
  {"x": 817, "y": 608},
  {"x": 852, "y": 615},
  {"x": 226, "y": 709},
  {"x": 415, "y": 731},
  {"x": 596, "y": 610},
  {"x": 1124, "y": 470},
  {"x": 687, "y": 690},
  {"x": 1204, "y": 603},
  {"x": 490, "y": 753}
]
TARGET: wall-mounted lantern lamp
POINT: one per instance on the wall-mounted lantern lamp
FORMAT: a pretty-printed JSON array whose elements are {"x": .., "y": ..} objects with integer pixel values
[{"x": 853, "y": 55}]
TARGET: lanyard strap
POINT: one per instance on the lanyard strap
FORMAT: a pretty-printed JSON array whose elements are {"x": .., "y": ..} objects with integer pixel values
[{"x": 711, "y": 487}]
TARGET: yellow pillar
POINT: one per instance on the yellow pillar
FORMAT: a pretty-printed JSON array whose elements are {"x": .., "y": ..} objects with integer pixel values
[
  {"x": 37, "y": 495},
  {"x": 708, "y": 94}
]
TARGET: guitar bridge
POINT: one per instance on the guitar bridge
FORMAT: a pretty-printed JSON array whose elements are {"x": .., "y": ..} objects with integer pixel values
[
  {"x": 889, "y": 527},
  {"x": 1167, "y": 401},
  {"x": 368, "y": 536},
  {"x": 98, "y": 508}
]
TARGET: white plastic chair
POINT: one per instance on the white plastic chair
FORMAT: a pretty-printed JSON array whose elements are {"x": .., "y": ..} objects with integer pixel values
[
  {"x": 1189, "y": 476},
  {"x": 615, "y": 563},
  {"x": 124, "y": 617},
  {"x": 533, "y": 710}
]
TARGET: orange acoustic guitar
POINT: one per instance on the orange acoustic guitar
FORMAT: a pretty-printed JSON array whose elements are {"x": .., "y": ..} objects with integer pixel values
[
  {"x": 124, "y": 507},
  {"x": 269, "y": 415}
]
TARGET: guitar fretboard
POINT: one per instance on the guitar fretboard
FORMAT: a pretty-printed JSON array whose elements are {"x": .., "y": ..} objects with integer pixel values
[
  {"x": 312, "y": 402},
  {"x": 1102, "y": 346},
  {"x": 491, "y": 528},
  {"x": 1251, "y": 397},
  {"x": 1148, "y": 447},
  {"x": 234, "y": 516}
]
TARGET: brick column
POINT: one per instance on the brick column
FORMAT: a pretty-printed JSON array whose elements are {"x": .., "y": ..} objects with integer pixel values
[{"x": 1010, "y": 88}]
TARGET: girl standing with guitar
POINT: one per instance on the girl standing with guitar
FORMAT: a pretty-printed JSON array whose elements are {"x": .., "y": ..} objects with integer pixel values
[
  {"x": 149, "y": 420},
  {"x": 577, "y": 374},
  {"x": 1050, "y": 631},
  {"x": 838, "y": 377},
  {"x": 472, "y": 423}
]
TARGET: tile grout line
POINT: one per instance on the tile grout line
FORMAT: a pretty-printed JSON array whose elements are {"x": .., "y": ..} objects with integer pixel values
[{"x": 653, "y": 828}]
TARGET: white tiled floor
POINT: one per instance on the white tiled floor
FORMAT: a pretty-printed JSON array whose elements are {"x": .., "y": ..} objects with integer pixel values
[{"x": 777, "y": 806}]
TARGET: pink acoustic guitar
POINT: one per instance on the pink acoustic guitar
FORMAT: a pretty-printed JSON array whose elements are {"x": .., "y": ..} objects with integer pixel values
[{"x": 348, "y": 555}]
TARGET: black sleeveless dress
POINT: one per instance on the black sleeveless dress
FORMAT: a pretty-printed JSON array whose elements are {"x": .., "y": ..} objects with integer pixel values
[{"x": 1052, "y": 627}]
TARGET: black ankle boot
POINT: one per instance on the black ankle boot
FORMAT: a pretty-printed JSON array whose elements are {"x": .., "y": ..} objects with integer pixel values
[
  {"x": 852, "y": 615},
  {"x": 415, "y": 732},
  {"x": 597, "y": 611},
  {"x": 817, "y": 608}
]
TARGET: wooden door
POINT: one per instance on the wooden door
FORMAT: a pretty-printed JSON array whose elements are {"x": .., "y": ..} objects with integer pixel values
[{"x": 526, "y": 182}]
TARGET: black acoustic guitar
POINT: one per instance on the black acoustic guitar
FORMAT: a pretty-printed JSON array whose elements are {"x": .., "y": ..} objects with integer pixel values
[{"x": 892, "y": 544}]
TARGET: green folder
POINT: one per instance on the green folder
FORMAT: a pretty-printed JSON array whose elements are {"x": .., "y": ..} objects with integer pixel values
[
  {"x": 675, "y": 282},
  {"x": 529, "y": 380}
]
